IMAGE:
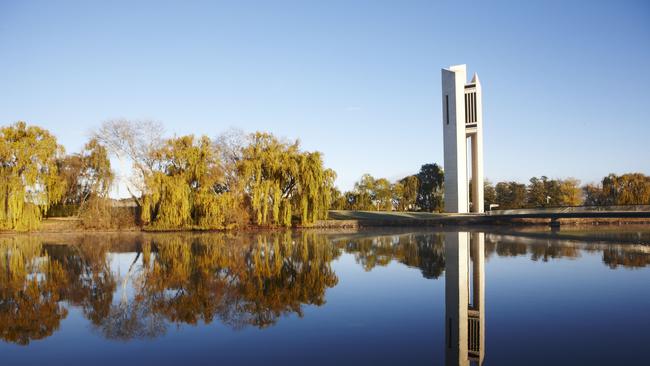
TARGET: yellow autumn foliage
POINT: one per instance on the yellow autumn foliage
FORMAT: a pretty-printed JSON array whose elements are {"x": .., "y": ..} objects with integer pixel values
[{"x": 29, "y": 179}]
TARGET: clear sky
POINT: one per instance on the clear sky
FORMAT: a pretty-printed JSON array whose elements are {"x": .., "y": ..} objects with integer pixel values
[{"x": 565, "y": 83}]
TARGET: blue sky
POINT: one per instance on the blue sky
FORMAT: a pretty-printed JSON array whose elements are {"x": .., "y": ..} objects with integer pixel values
[{"x": 565, "y": 83}]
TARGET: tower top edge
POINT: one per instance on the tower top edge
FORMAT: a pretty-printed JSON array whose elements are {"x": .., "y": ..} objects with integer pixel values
[
  {"x": 454, "y": 68},
  {"x": 475, "y": 79}
]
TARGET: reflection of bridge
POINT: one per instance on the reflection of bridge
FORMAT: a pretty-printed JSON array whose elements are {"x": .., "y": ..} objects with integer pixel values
[{"x": 464, "y": 299}]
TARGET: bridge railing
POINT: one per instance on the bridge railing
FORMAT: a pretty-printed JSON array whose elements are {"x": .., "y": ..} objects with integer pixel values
[{"x": 570, "y": 209}]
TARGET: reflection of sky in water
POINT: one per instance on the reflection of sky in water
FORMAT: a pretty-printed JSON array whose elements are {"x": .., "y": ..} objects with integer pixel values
[
  {"x": 565, "y": 311},
  {"x": 120, "y": 264}
]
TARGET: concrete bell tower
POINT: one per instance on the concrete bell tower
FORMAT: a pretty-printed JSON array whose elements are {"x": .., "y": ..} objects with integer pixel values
[{"x": 462, "y": 119}]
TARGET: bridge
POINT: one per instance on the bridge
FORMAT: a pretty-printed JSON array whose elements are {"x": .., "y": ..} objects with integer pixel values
[
  {"x": 573, "y": 212},
  {"x": 590, "y": 214}
]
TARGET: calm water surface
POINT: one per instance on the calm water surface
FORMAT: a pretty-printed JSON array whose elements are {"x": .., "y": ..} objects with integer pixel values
[{"x": 383, "y": 297}]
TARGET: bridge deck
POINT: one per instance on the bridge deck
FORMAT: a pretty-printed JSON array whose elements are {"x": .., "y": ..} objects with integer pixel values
[
  {"x": 379, "y": 218},
  {"x": 571, "y": 215}
]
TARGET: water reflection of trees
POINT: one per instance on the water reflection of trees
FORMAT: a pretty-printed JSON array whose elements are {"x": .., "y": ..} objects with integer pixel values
[
  {"x": 30, "y": 290},
  {"x": 239, "y": 281},
  {"x": 615, "y": 257},
  {"x": 242, "y": 282},
  {"x": 540, "y": 250},
  {"x": 89, "y": 281},
  {"x": 423, "y": 251}
]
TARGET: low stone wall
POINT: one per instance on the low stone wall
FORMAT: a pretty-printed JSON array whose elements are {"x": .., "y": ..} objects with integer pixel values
[{"x": 336, "y": 224}]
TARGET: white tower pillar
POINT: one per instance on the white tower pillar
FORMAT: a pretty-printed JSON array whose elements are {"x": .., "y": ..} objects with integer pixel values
[
  {"x": 462, "y": 115},
  {"x": 464, "y": 314},
  {"x": 456, "y": 298}
]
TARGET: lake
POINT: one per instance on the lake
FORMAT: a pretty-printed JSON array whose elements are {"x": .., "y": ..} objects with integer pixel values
[{"x": 369, "y": 297}]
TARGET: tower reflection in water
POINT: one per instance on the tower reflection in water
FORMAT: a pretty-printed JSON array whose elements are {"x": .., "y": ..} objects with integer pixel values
[{"x": 465, "y": 298}]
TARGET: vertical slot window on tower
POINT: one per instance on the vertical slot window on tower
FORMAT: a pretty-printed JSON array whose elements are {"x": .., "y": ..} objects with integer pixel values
[
  {"x": 466, "y": 109},
  {"x": 447, "y": 107},
  {"x": 473, "y": 107},
  {"x": 470, "y": 107}
]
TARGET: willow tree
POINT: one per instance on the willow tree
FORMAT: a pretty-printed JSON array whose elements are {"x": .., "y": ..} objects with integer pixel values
[
  {"x": 96, "y": 177},
  {"x": 314, "y": 188},
  {"x": 29, "y": 178},
  {"x": 182, "y": 189},
  {"x": 95, "y": 181},
  {"x": 337, "y": 198},
  {"x": 627, "y": 189},
  {"x": 88, "y": 178},
  {"x": 280, "y": 181}
]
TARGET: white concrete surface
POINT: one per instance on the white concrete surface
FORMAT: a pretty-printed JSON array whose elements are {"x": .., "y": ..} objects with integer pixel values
[{"x": 462, "y": 118}]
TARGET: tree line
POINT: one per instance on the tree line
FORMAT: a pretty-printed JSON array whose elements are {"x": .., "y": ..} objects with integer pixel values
[
  {"x": 539, "y": 192},
  {"x": 417, "y": 192},
  {"x": 179, "y": 182},
  {"x": 233, "y": 180},
  {"x": 424, "y": 191},
  {"x": 625, "y": 189}
]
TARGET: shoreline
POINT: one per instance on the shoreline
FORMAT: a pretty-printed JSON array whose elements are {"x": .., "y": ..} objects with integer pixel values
[
  {"x": 367, "y": 219},
  {"x": 628, "y": 234}
]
